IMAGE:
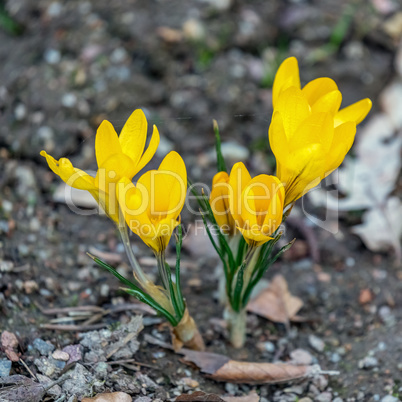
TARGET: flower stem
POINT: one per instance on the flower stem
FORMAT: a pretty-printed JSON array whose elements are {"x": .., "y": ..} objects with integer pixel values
[
  {"x": 236, "y": 321},
  {"x": 139, "y": 273},
  {"x": 160, "y": 258}
]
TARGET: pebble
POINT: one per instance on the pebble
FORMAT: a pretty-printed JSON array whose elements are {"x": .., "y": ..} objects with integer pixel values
[
  {"x": 30, "y": 287},
  {"x": 335, "y": 358},
  {"x": 235, "y": 151},
  {"x": 386, "y": 315},
  {"x": 368, "y": 362},
  {"x": 20, "y": 111},
  {"x": 52, "y": 56},
  {"x": 6, "y": 266},
  {"x": 321, "y": 382},
  {"x": 60, "y": 355},
  {"x": 118, "y": 55},
  {"x": 390, "y": 398},
  {"x": 194, "y": 30},
  {"x": 324, "y": 397},
  {"x": 44, "y": 348},
  {"x": 306, "y": 399},
  {"x": 266, "y": 347},
  {"x": 316, "y": 343},
  {"x": 5, "y": 367},
  {"x": 143, "y": 399},
  {"x": 337, "y": 399},
  {"x": 69, "y": 100},
  {"x": 301, "y": 357}
]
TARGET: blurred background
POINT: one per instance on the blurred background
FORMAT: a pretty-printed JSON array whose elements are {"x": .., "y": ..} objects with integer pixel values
[{"x": 67, "y": 65}]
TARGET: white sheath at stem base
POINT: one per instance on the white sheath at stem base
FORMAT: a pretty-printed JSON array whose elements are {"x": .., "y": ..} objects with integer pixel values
[{"x": 237, "y": 326}]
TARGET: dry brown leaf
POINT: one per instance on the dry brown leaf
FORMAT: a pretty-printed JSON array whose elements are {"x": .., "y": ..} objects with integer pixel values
[
  {"x": 17, "y": 388},
  {"x": 221, "y": 368},
  {"x": 199, "y": 396},
  {"x": 10, "y": 342},
  {"x": 260, "y": 373},
  {"x": 276, "y": 303},
  {"x": 110, "y": 397}
]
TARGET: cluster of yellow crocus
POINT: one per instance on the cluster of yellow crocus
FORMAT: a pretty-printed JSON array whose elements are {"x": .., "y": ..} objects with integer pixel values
[
  {"x": 254, "y": 206},
  {"x": 151, "y": 208},
  {"x": 309, "y": 137}
]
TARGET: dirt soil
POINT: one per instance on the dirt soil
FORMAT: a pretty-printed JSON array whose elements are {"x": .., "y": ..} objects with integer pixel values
[{"x": 68, "y": 65}]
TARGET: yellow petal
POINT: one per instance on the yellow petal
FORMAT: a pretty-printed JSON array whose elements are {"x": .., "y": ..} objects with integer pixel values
[
  {"x": 317, "y": 88},
  {"x": 318, "y": 128},
  {"x": 344, "y": 136},
  {"x": 254, "y": 237},
  {"x": 277, "y": 138},
  {"x": 273, "y": 217},
  {"x": 238, "y": 180},
  {"x": 355, "y": 112},
  {"x": 106, "y": 142},
  {"x": 286, "y": 76},
  {"x": 294, "y": 109},
  {"x": 329, "y": 102},
  {"x": 72, "y": 176},
  {"x": 150, "y": 151}
]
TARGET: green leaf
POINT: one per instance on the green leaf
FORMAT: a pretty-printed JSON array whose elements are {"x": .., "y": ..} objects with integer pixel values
[
  {"x": 134, "y": 290},
  {"x": 143, "y": 297},
  {"x": 219, "y": 157},
  {"x": 179, "y": 242}
]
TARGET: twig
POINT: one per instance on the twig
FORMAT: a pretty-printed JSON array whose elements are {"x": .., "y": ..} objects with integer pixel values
[
  {"x": 74, "y": 327},
  {"x": 28, "y": 369},
  {"x": 131, "y": 361}
]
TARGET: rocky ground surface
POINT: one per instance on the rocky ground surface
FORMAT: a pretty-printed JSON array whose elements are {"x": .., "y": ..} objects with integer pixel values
[{"x": 66, "y": 66}]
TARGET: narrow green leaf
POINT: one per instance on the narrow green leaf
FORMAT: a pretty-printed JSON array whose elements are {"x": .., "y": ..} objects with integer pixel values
[
  {"x": 179, "y": 242},
  {"x": 219, "y": 157},
  {"x": 152, "y": 303},
  {"x": 134, "y": 290}
]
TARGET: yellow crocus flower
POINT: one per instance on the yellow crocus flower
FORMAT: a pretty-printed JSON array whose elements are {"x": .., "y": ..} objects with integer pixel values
[
  {"x": 116, "y": 156},
  {"x": 256, "y": 204},
  {"x": 219, "y": 201},
  {"x": 309, "y": 135},
  {"x": 152, "y": 207}
]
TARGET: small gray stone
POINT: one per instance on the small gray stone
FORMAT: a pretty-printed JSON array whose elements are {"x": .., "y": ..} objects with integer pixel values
[
  {"x": 316, "y": 343},
  {"x": 368, "y": 362},
  {"x": 335, "y": 358},
  {"x": 143, "y": 399},
  {"x": 75, "y": 353},
  {"x": 321, "y": 382},
  {"x": 338, "y": 399},
  {"x": 5, "y": 367},
  {"x": 390, "y": 398},
  {"x": 301, "y": 357},
  {"x": 324, "y": 397},
  {"x": 69, "y": 100},
  {"x": 44, "y": 348}
]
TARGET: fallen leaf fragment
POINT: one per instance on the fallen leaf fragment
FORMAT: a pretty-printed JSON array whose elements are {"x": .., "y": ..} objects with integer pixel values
[
  {"x": 221, "y": 368},
  {"x": 110, "y": 397},
  {"x": 17, "y": 388},
  {"x": 10, "y": 342},
  {"x": 275, "y": 302},
  {"x": 382, "y": 227},
  {"x": 251, "y": 397},
  {"x": 169, "y": 35},
  {"x": 199, "y": 396}
]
